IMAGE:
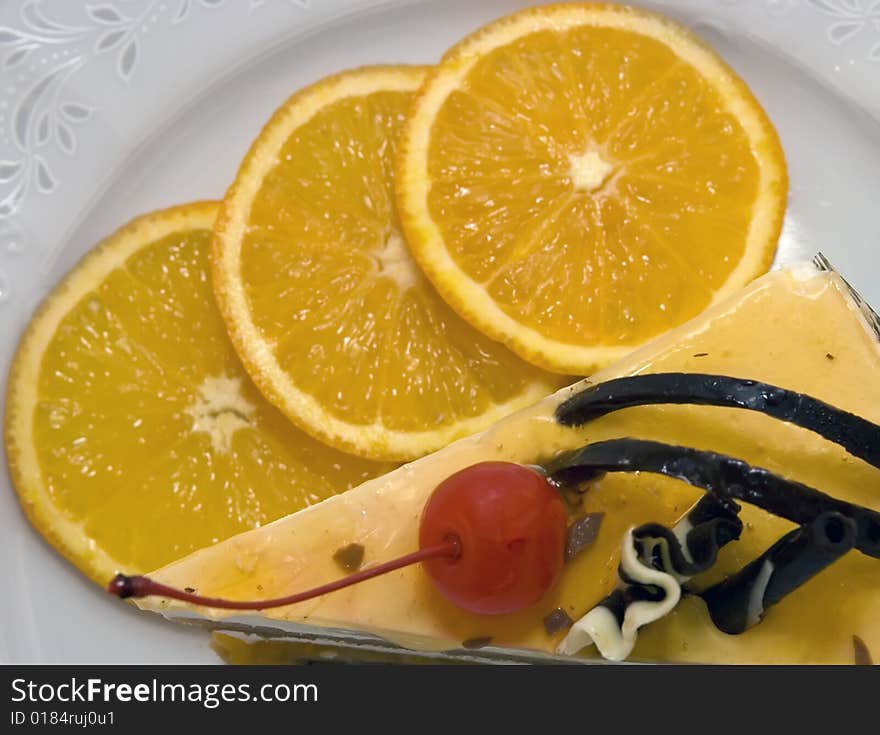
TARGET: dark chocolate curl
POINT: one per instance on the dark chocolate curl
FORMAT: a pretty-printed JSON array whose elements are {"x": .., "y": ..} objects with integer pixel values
[
  {"x": 723, "y": 476},
  {"x": 858, "y": 436},
  {"x": 740, "y": 601},
  {"x": 710, "y": 525},
  {"x": 622, "y": 597},
  {"x": 689, "y": 548}
]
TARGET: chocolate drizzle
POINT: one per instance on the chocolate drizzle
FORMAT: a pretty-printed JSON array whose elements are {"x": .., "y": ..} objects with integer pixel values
[
  {"x": 656, "y": 561},
  {"x": 858, "y": 436},
  {"x": 721, "y": 475}
]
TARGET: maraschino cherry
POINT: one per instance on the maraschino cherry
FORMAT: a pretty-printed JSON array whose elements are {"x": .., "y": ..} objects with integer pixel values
[
  {"x": 510, "y": 524},
  {"x": 492, "y": 539}
]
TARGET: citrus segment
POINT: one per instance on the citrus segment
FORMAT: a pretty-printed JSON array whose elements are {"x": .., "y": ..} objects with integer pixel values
[
  {"x": 324, "y": 303},
  {"x": 133, "y": 433},
  {"x": 576, "y": 179}
]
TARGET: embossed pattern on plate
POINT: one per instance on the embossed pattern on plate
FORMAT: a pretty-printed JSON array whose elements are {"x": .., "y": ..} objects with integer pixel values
[{"x": 109, "y": 108}]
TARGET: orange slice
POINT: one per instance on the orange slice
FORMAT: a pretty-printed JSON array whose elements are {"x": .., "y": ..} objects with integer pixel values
[
  {"x": 133, "y": 433},
  {"x": 325, "y": 306},
  {"x": 576, "y": 179}
]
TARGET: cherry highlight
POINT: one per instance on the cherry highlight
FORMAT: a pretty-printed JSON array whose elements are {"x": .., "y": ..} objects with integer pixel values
[{"x": 124, "y": 586}]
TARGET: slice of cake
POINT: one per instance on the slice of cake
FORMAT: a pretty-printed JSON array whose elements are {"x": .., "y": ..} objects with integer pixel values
[{"x": 800, "y": 329}]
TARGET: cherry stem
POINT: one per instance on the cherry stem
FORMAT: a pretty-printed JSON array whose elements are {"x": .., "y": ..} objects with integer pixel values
[{"x": 124, "y": 586}]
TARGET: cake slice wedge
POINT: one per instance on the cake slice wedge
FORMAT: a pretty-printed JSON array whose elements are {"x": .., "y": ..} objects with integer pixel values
[{"x": 800, "y": 328}]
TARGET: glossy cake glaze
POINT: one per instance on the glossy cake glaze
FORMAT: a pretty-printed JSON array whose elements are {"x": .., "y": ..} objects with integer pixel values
[{"x": 797, "y": 328}]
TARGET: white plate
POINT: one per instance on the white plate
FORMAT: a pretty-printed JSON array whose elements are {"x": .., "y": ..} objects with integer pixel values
[{"x": 110, "y": 108}]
